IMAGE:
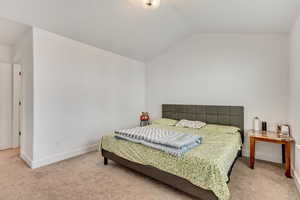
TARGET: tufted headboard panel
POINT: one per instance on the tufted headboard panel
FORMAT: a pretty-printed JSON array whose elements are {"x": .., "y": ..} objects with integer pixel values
[{"x": 223, "y": 115}]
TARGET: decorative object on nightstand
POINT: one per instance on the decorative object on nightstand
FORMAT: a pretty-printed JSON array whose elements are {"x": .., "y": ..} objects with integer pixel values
[
  {"x": 284, "y": 130},
  {"x": 256, "y": 124},
  {"x": 264, "y": 126},
  {"x": 273, "y": 137},
  {"x": 144, "y": 119}
]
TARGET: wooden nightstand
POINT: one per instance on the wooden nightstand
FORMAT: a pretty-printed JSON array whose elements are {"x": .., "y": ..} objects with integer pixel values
[{"x": 273, "y": 137}]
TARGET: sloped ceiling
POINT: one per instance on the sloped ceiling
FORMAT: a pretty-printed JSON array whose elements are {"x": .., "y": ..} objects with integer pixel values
[
  {"x": 11, "y": 32},
  {"x": 126, "y": 28}
]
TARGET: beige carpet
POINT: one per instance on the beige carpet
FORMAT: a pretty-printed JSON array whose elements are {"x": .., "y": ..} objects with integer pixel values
[{"x": 86, "y": 178}]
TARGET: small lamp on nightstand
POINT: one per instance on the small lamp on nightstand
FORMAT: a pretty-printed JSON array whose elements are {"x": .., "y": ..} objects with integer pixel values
[{"x": 256, "y": 124}]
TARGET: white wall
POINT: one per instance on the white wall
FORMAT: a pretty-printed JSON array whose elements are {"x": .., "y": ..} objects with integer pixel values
[
  {"x": 80, "y": 93},
  {"x": 226, "y": 69},
  {"x": 23, "y": 55},
  {"x": 5, "y": 105},
  {"x": 294, "y": 105},
  {"x": 5, "y": 96},
  {"x": 5, "y": 53}
]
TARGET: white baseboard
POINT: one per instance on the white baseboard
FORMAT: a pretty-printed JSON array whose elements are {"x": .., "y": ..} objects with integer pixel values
[
  {"x": 26, "y": 159},
  {"x": 297, "y": 180},
  {"x": 296, "y": 175},
  {"x": 62, "y": 156}
]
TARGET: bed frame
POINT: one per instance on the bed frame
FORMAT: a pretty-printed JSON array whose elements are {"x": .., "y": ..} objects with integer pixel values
[{"x": 223, "y": 115}]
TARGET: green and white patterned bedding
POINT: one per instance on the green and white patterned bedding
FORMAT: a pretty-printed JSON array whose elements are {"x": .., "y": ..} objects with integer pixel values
[{"x": 205, "y": 166}]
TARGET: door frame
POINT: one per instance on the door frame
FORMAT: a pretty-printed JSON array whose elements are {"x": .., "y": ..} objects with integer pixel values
[{"x": 17, "y": 106}]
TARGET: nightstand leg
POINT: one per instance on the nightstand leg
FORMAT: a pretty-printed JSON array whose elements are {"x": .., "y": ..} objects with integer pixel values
[
  {"x": 288, "y": 160},
  {"x": 252, "y": 152},
  {"x": 283, "y": 153},
  {"x": 105, "y": 161}
]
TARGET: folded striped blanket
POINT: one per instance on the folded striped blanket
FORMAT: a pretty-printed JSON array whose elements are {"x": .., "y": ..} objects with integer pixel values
[{"x": 165, "y": 140}]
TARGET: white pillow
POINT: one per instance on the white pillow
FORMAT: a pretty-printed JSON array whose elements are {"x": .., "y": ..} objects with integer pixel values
[{"x": 190, "y": 124}]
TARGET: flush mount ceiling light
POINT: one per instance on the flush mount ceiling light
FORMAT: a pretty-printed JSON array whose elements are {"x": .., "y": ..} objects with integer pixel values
[{"x": 151, "y": 4}]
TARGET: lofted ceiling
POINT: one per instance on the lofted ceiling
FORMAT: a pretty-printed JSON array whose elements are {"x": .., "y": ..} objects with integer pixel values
[
  {"x": 11, "y": 32},
  {"x": 126, "y": 28}
]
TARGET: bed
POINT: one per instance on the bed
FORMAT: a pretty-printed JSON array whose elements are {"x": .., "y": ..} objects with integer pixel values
[{"x": 202, "y": 172}]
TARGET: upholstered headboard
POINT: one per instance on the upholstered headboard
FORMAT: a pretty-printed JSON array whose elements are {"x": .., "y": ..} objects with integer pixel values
[{"x": 223, "y": 115}]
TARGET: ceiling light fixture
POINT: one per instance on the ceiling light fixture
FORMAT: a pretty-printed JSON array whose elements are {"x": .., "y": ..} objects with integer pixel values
[{"x": 152, "y": 4}]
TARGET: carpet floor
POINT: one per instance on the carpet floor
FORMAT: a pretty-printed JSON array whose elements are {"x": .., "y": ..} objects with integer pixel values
[{"x": 86, "y": 178}]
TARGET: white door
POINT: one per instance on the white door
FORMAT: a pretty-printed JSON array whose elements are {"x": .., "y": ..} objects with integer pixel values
[{"x": 5, "y": 106}]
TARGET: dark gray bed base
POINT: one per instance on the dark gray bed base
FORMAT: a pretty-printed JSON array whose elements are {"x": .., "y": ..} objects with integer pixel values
[
  {"x": 174, "y": 181},
  {"x": 164, "y": 177},
  {"x": 224, "y": 115}
]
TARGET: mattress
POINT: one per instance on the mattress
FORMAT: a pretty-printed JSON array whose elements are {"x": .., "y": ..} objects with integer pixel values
[{"x": 205, "y": 166}]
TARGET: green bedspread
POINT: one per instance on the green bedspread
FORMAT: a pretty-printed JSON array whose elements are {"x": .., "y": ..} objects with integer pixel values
[{"x": 205, "y": 166}]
